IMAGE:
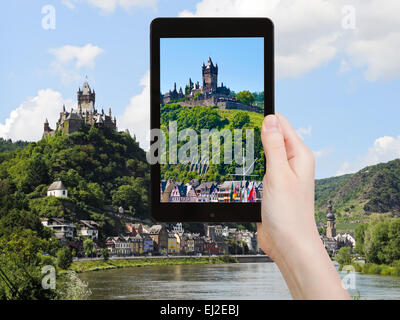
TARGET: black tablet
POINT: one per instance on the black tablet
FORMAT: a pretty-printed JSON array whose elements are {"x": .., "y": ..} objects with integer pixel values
[{"x": 212, "y": 83}]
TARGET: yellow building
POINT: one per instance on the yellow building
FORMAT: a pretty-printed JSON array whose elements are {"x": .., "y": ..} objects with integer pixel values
[{"x": 173, "y": 244}]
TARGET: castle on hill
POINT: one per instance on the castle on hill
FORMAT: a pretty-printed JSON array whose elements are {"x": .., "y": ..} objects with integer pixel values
[
  {"x": 85, "y": 114},
  {"x": 206, "y": 94}
]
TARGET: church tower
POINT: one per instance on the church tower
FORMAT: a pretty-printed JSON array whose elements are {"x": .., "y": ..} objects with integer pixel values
[
  {"x": 86, "y": 98},
  {"x": 210, "y": 76},
  {"x": 330, "y": 217}
]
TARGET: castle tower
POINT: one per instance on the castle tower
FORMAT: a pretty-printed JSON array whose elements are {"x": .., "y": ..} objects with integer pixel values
[
  {"x": 46, "y": 127},
  {"x": 86, "y": 98},
  {"x": 210, "y": 76},
  {"x": 330, "y": 217}
]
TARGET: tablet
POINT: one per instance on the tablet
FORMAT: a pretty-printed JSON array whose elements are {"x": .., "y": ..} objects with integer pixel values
[{"x": 212, "y": 83}]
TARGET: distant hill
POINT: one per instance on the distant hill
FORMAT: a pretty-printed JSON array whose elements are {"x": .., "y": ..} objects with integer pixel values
[
  {"x": 374, "y": 189},
  {"x": 8, "y": 145}
]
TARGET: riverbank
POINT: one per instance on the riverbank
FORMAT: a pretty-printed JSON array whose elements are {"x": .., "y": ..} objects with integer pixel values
[
  {"x": 96, "y": 265},
  {"x": 378, "y": 269}
]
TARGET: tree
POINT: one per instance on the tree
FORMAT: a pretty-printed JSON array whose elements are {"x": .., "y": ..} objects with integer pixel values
[
  {"x": 359, "y": 234},
  {"x": 245, "y": 97},
  {"x": 240, "y": 120},
  {"x": 64, "y": 258},
  {"x": 343, "y": 257},
  {"x": 88, "y": 247},
  {"x": 394, "y": 240},
  {"x": 105, "y": 254},
  {"x": 126, "y": 196}
]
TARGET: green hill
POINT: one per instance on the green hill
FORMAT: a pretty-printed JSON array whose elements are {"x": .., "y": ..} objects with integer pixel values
[
  {"x": 374, "y": 189},
  {"x": 201, "y": 117},
  {"x": 101, "y": 169}
]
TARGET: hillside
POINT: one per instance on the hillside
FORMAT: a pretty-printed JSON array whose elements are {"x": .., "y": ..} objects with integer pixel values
[
  {"x": 101, "y": 169},
  {"x": 200, "y": 117},
  {"x": 8, "y": 145},
  {"x": 374, "y": 189}
]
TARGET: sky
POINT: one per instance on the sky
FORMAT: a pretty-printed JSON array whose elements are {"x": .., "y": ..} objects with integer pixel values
[
  {"x": 240, "y": 62},
  {"x": 337, "y": 70}
]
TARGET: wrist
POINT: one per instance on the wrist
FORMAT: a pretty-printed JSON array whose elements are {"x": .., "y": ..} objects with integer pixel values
[{"x": 309, "y": 271}]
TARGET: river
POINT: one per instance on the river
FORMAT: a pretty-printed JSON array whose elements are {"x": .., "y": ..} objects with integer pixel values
[{"x": 223, "y": 281}]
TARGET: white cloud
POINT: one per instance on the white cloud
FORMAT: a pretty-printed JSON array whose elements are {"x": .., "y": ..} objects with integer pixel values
[
  {"x": 26, "y": 121},
  {"x": 384, "y": 149},
  {"x": 69, "y": 3},
  {"x": 323, "y": 152},
  {"x": 309, "y": 33},
  {"x": 302, "y": 132},
  {"x": 378, "y": 55},
  {"x": 109, "y": 6},
  {"x": 69, "y": 60},
  {"x": 344, "y": 66},
  {"x": 136, "y": 116}
]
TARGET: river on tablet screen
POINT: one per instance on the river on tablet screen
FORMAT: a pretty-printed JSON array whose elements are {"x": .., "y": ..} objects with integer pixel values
[{"x": 225, "y": 281}]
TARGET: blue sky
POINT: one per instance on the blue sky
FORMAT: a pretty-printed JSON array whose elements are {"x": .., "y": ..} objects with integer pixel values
[
  {"x": 240, "y": 62},
  {"x": 339, "y": 88}
]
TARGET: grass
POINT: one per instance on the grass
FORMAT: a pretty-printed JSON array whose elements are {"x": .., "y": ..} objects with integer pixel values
[
  {"x": 96, "y": 265},
  {"x": 256, "y": 119},
  {"x": 379, "y": 269}
]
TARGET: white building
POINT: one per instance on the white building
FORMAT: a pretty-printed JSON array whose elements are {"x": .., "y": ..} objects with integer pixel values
[
  {"x": 62, "y": 228},
  {"x": 58, "y": 190},
  {"x": 89, "y": 228}
]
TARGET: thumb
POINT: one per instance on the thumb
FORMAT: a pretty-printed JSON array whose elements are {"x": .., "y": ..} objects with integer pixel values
[{"x": 274, "y": 144}]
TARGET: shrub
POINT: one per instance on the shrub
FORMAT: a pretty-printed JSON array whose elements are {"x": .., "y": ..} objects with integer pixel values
[
  {"x": 105, "y": 254},
  {"x": 64, "y": 258}
]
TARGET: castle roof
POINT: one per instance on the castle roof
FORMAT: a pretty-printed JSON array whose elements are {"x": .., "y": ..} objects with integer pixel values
[
  {"x": 209, "y": 63},
  {"x": 57, "y": 185},
  {"x": 100, "y": 120},
  {"x": 86, "y": 88},
  {"x": 74, "y": 116}
]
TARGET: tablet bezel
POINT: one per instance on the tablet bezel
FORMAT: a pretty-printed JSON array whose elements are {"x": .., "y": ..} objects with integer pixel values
[{"x": 205, "y": 28}]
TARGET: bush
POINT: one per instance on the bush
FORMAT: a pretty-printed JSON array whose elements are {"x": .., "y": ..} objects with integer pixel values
[
  {"x": 64, "y": 258},
  {"x": 343, "y": 256},
  {"x": 105, "y": 254}
]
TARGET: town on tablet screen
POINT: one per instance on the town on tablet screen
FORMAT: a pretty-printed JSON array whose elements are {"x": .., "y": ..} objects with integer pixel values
[{"x": 211, "y": 110}]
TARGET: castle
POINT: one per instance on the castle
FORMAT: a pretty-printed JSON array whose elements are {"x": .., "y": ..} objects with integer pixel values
[
  {"x": 85, "y": 114},
  {"x": 206, "y": 94}
]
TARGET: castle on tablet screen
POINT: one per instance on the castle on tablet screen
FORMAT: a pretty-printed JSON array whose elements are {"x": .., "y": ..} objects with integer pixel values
[{"x": 206, "y": 94}]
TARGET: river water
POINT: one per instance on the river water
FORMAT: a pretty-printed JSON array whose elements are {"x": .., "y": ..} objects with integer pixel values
[{"x": 223, "y": 281}]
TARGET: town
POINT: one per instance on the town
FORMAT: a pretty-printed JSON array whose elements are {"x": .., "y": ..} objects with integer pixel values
[
  {"x": 194, "y": 191},
  {"x": 141, "y": 239}
]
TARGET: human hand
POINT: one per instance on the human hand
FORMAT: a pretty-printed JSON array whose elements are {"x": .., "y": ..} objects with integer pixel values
[{"x": 288, "y": 233}]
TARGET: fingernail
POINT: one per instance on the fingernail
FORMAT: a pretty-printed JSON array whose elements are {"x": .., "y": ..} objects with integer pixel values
[{"x": 271, "y": 123}]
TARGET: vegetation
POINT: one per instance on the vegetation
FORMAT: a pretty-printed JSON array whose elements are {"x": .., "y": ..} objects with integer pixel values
[
  {"x": 198, "y": 118},
  {"x": 105, "y": 254},
  {"x": 94, "y": 165},
  {"x": 379, "y": 269},
  {"x": 343, "y": 257},
  {"x": 356, "y": 197},
  {"x": 95, "y": 265},
  {"x": 379, "y": 240},
  {"x": 259, "y": 99},
  {"x": 9, "y": 146},
  {"x": 89, "y": 247},
  {"x": 64, "y": 257},
  {"x": 245, "y": 97}
]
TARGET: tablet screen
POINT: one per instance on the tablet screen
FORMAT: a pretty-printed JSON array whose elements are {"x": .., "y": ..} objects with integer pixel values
[{"x": 211, "y": 110}]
